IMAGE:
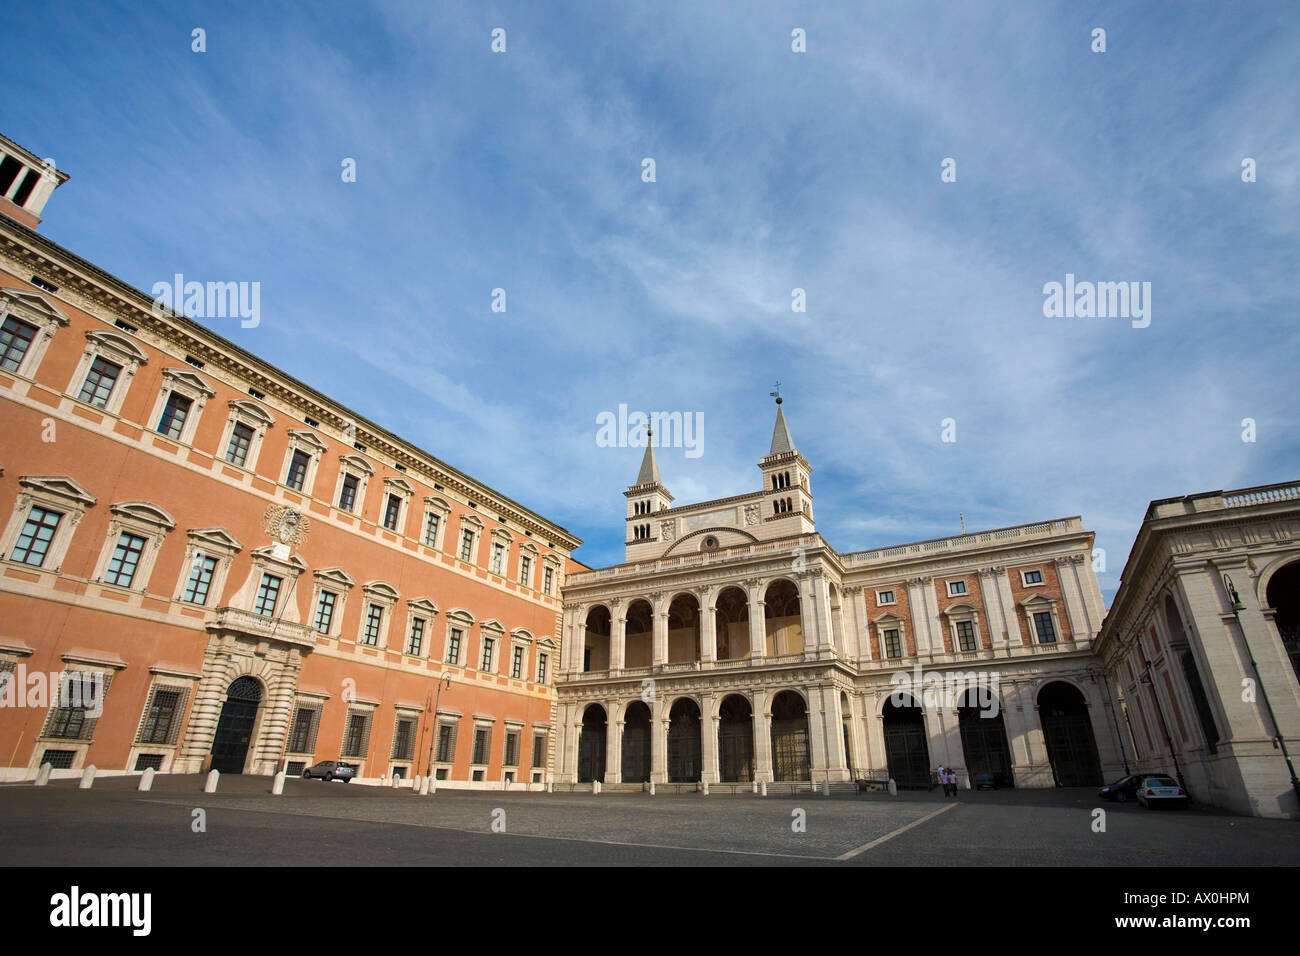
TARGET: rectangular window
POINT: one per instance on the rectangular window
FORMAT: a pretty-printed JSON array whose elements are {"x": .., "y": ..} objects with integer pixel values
[
  {"x": 126, "y": 558},
  {"x": 69, "y": 721},
  {"x": 391, "y": 511},
  {"x": 15, "y": 339},
  {"x": 486, "y": 663},
  {"x": 512, "y": 749},
  {"x": 547, "y": 577},
  {"x": 956, "y": 587},
  {"x": 99, "y": 382},
  {"x": 356, "y": 735},
  {"x": 34, "y": 541},
  {"x": 453, "y": 646},
  {"x": 431, "y": 530},
  {"x": 268, "y": 592},
  {"x": 893, "y": 646},
  {"x": 466, "y": 545},
  {"x": 482, "y": 744},
  {"x": 1043, "y": 625},
  {"x": 241, "y": 438},
  {"x": 177, "y": 409},
  {"x": 196, "y": 589},
  {"x": 965, "y": 636},
  {"x": 498, "y": 557},
  {"x": 525, "y": 567},
  {"x": 325, "y": 611},
  {"x": 374, "y": 618},
  {"x": 297, "y": 476},
  {"x": 1033, "y": 577},
  {"x": 446, "y": 743},
  {"x": 415, "y": 640},
  {"x": 517, "y": 664},
  {"x": 884, "y": 597},
  {"x": 302, "y": 738},
  {"x": 348, "y": 493},
  {"x": 160, "y": 718},
  {"x": 541, "y": 668},
  {"x": 539, "y": 750},
  {"x": 404, "y": 739}
]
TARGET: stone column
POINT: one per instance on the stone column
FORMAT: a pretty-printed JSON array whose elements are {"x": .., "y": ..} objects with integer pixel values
[
  {"x": 817, "y": 718},
  {"x": 709, "y": 738},
  {"x": 757, "y": 623},
  {"x": 708, "y": 625},
  {"x": 877, "y": 759},
  {"x": 659, "y": 740},
  {"x": 660, "y": 635},
  {"x": 617, "y": 639},
  {"x": 836, "y": 762},
  {"x": 856, "y": 643},
  {"x": 613, "y": 744},
  {"x": 763, "y": 736}
]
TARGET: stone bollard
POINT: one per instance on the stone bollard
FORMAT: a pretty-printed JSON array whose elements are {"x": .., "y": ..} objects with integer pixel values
[
  {"x": 893, "y": 788},
  {"x": 43, "y": 775},
  {"x": 762, "y": 788},
  {"x": 706, "y": 788},
  {"x": 550, "y": 786},
  {"x": 397, "y": 781},
  {"x": 87, "y": 778},
  {"x": 146, "y": 780},
  {"x": 277, "y": 783},
  {"x": 652, "y": 788},
  {"x": 756, "y": 786},
  {"x": 424, "y": 786},
  {"x": 826, "y": 787},
  {"x": 433, "y": 783},
  {"x": 210, "y": 785},
  {"x": 595, "y": 786}
]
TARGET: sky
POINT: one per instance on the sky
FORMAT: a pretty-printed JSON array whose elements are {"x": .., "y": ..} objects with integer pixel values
[{"x": 774, "y": 170}]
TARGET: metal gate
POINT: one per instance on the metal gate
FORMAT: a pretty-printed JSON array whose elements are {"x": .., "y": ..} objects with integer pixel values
[
  {"x": 235, "y": 726},
  {"x": 1071, "y": 749},
  {"x": 684, "y": 750},
  {"x": 908, "y": 755},
  {"x": 636, "y": 752},
  {"x": 736, "y": 751},
  {"x": 984, "y": 744},
  {"x": 591, "y": 753},
  {"x": 790, "y": 755}
]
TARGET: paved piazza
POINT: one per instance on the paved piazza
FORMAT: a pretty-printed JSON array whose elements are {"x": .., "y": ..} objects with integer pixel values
[{"x": 316, "y": 823}]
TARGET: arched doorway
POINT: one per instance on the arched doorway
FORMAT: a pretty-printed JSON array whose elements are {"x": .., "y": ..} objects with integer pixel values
[
  {"x": 1067, "y": 732},
  {"x": 683, "y": 629},
  {"x": 596, "y": 645},
  {"x": 783, "y": 623},
  {"x": 735, "y": 739},
  {"x": 790, "y": 755},
  {"x": 638, "y": 640},
  {"x": 1283, "y": 595},
  {"x": 636, "y": 743},
  {"x": 235, "y": 725},
  {"x": 907, "y": 752},
  {"x": 732, "y": 620},
  {"x": 684, "y": 741},
  {"x": 591, "y": 745},
  {"x": 984, "y": 741}
]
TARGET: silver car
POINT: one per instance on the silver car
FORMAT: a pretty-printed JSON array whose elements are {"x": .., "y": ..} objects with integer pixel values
[
  {"x": 330, "y": 770},
  {"x": 1157, "y": 790}
]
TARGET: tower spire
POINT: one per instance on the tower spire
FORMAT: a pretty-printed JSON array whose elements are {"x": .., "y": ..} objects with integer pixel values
[
  {"x": 649, "y": 474},
  {"x": 781, "y": 440}
]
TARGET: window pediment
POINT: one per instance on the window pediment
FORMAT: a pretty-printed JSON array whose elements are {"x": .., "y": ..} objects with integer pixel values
[
  {"x": 459, "y": 615},
  {"x": 434, "y": 503},
  {"x": 215, "y": 539},
  {"x": 144, "y": 512},
  {"x": 32, "y": 306},
  {"x": 492, "y": 625},
  {"x": 523, "y": 635},
  {"x": 961, "y": 608},
  {"x": 266, "y": 555},
  {"x": 356, "y": 463},
  {"x": 529, "y": 548},
  {"x": 117, "y": 345},
  {"x": 1040, "y": 601},
  {"x": 472, "y": 521},
  {"x": 888, "y": 620},
  {"x": 58, "y": 486},
  {"x": 188, "y": 382},
  {"x": 383, "y": 590},
  {"x": 334, "y": 576},
  {"x": 307, "y": 438},
  {"x": 399, "y": 486},
  {"x": 422, "y": 606},
  {"x": 243, "y": 406}
]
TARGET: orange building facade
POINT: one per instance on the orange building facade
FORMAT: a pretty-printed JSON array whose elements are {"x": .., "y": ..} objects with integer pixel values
[{"x": 207, "y": 564}]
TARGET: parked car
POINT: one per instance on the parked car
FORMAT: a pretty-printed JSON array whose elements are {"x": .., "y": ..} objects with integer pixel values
[
  {"x": 330, "y": 770},
  {"x": 1158, "y": 790},
  {"x": 1123, "y": 790},
  {"x": 984, "y": 781}
]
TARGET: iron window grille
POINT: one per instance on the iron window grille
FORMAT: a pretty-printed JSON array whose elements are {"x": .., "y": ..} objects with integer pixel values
[
  {"x": 356, "y": 736},
  {"x": 161, "y": 724},
  {"x": 403, "y": 739},
  {"x": 446, "y": 743},
  {"x": 539, "y": 750},
  {"x": 71, "y": 719},
  {"x": 512, "y": 749},
  {"x": 302, "y": 738},
  {"x": 482, "y": 745}
]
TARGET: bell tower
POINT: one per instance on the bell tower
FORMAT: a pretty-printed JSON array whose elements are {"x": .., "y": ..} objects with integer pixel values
[
  {"x": 787, "y": 491},
  {"x": 645, "y": 498}
]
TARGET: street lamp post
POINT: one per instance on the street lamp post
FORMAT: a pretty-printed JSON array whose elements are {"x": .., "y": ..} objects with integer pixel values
[{"x": 443, "y": 679}]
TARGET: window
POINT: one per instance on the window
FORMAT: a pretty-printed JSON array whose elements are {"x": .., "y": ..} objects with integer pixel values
[
  {"x": 525, "y": 569},
  {"x": 374, "y": 618},
  {"x": 498, "y": 557},
  {"x": 966, "y": 636},
  {"x": 482, "y": 745},
  {"x": 453, "y": 645},
  {"x": 241, "y": 439},
  {"x": 356, "y": 735},
  {"x": 200, "y": 581},
  {"x": 15, "y": 339},
  {"x": 98, "y": 385},
  {"x": 1044, "y": 626},
  {"x": 446, "y": 743},
  {"x": 512, "y": 749},
  {"x": 348, "y": 492},
  {"x": 1033, "y": 577},
  {"x": 302, "y": 738},
  {"x": 268, "y": 592},
  {"x": 162, "y": 717},
  {"x": 884, "y": 597},
  {"x": 79, "y": 696},
  {"x": 893, "y": 646},
  {"x": 467, "y": 546},
  {"x": 392, "y": 510},
  {"x": 125, "y": 560},
  {"x": 415, "y": 640},
  {"x": 431, "y": 521},
  {"x": 174, "y": 413},
  {"x": 325, "y": 611},
  {"x": 548, "y": 577},
  {"x": 541, "y": 668},
  {"x": 297, "y": 476},
  {"x": 404, "y": 739},
  {"x": 539, "y": 750},
  {"x": 37, "y": 533},
  {"x": 485, "y": 664},
  {"x": 517, "y": 663},
  {"x": 956, "y": 587}
]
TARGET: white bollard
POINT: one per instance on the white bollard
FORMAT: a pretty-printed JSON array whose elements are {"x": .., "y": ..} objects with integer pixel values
[
  {"x": 893, "y": 788},
  {"x": 277, "y": 783},
  {"x": 146, "y": 780},
  {"x": 87, "y": 778},
  {"x": 652, "y": 788},
  {"x": 706, "y": 787},
  {"x": 756, "y": 786},
  {"x": 826, "y": 787},
  {"x": 433, "y": 783},
  {"x": 397, "y": 781},
  {"x": 762, "y": 788},
  {"x": 595, "y": 787},
  {"x": 210, "y": 785},
  {"x": 550, "y": 786},
  {"x": 43, "y": 775},
  {"x": 424, "y": 786}
]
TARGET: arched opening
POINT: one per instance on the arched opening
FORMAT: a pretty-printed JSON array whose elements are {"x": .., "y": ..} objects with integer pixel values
[
  {"x": 235, "y": 725},
  {"x": 782, "y": 621},
  {"x": 907, "y": 753},
  {"x": 846, "y": 722},
  {"x": 1283, "y": 595},
  {"x": 638, "y": 642},
  {"x": 984, "y": 740},
  {"x": 636, "y": 743},
  {"x": 735, "y": 739},
  {"x": 591, "y": 744},
  {"x": 595, "y": 652},
  {"x": 732, "y": 620},
  {"x": 683, "y": 629},
  {"x": 1067, "y": 732},
  {"x": 1180, "y": 646},
  {"x": 791, "y": 759},
  {"x": 684, "y": 741}
]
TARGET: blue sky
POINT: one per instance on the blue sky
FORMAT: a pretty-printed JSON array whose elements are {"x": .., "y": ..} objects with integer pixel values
[{"x": 775, "y": 170}]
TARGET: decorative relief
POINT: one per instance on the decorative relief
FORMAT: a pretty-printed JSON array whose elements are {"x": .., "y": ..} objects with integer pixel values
[
  {"x": 751, "y": 514},
  {"x": 286, "y": 525},
  {"x": 668, "y": 530}
]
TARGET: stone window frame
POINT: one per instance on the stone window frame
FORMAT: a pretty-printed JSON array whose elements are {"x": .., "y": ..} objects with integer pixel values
[
  {"x": 306, "y": 440},
  {"x": 140, "y": 518},
  {"x": 475, "y": 525},
  {"x": 405, "y": 491},
  {"x": 517, "y": 728},
  {"x": 245, "y": 412},
  {"x": 75, "y": 663},
  {"x": 1026, "y": 583},
  {"x": 419, "y": 609},
  {"x": 452, "y": 719},
  {"x": 552, "y": 563},
  {"x": 361, "y": 469},
  {"x": 309, "y": 701},
  {"x": 188, "y": 384},
  {"x": 891, "y": 622},
  {"x": 495, "y": 631},
  {"x": 893, "y": 597},
  {"x": 53, "y": 493},
  {"x": 482, "y": 722},
  {"x": 521, "y": 638},
  {"x": 441, "y": 508},
  {"x": 412, "y": 714},
  {"x": 115, "y": 347},
  {"x": 268, "y": 560},
  {"x": 961, "y": 612},
  {"x": 32, "y": 308},
  {"x": 965, "y": 588},
  {"x": 384, "y": 595},
  {"x": 360, "y": 708},
  {"x": 546, "y": 651},
  {"x": 213, "y": 543},
  {"x": 530, "y": 551},
  {"x": 543, "y": 734},
  {"x": 339, "y": 583},
  {"x": 502, "y": 537},
  {"x": 166, "y": 679},
  {"x": 462, "y": 620},
  {"x": 1036, "y": 604}
]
